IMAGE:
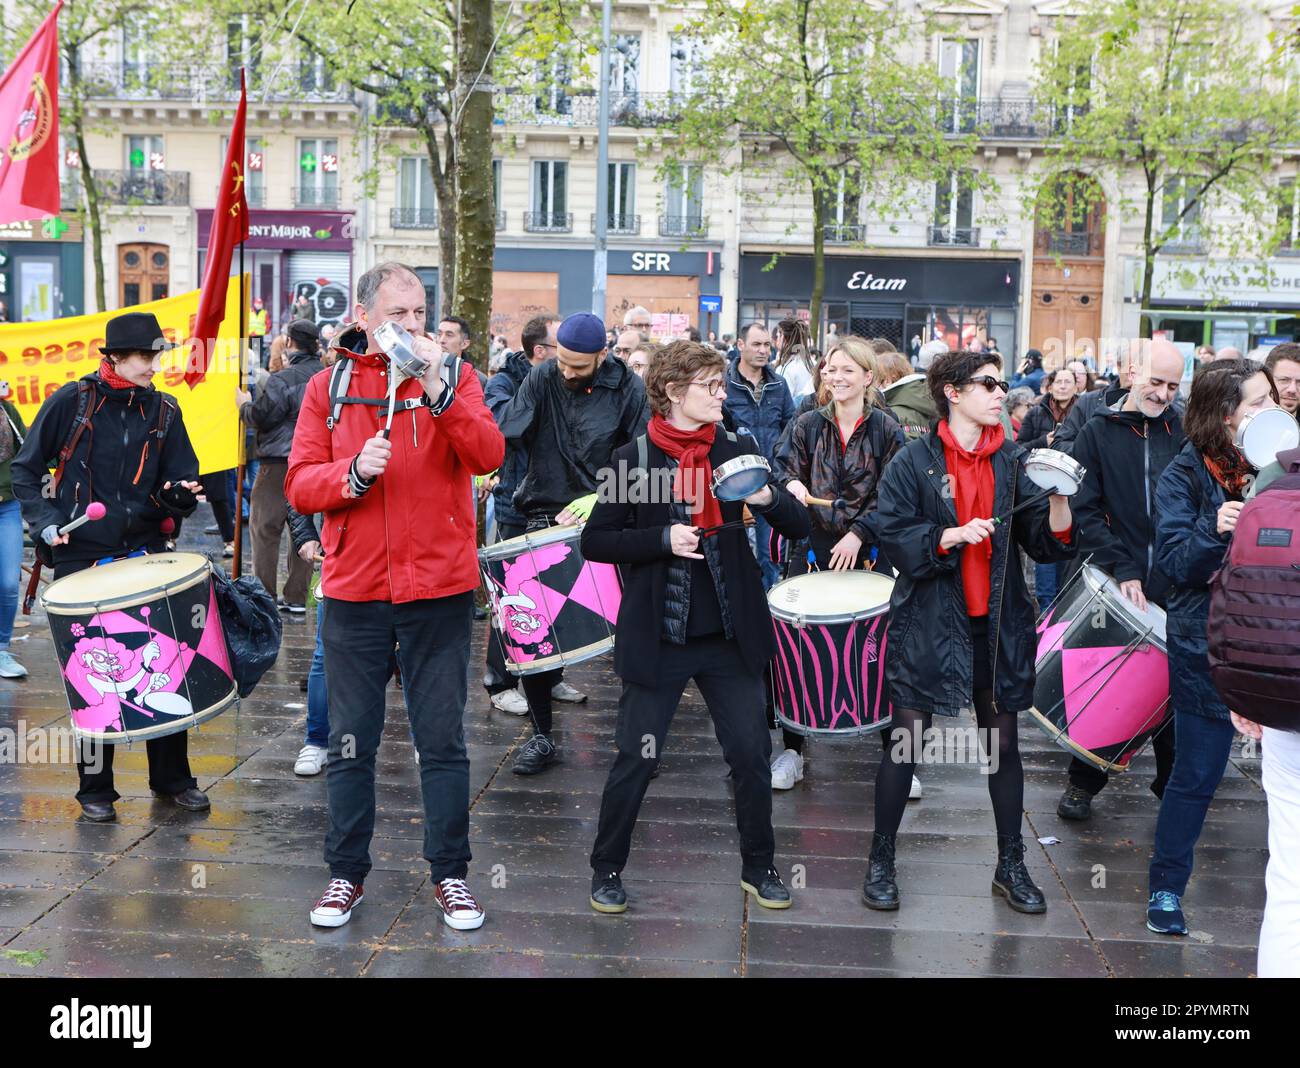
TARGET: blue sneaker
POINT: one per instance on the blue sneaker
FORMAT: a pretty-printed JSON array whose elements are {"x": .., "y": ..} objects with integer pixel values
[
  {"x": 1165, "y": 914},
  {"x": 9, "y": 667}
]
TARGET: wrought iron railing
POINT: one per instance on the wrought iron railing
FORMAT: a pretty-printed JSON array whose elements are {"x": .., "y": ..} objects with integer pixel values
[
  {"x": 168, "y": 188},
  {"x": 548, "y": 222},
  {"x": 618, "y": 223},
  {"x": 415, "y": 218},
  {"x": 964, "y": 236},
  {"x": 683, "y": 225}
]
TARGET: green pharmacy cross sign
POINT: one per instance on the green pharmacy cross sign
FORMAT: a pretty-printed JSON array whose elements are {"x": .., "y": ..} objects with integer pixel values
[
  {"x": 308, "y": 162},
  {"x": 137, "y": 158},
  {"x": 54, "y": 227}
]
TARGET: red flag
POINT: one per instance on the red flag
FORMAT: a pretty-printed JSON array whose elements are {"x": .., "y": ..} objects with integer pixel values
[
  {"x": 29, "y": 127},
  {"x": 229, "y": 228}
]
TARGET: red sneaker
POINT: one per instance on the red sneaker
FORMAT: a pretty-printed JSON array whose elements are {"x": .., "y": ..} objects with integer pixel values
[
  {"x": 334, "y": 909},
  {"x": 459, "y": 909}
]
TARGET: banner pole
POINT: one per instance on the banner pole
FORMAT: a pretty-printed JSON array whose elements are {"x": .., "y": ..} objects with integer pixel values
[{"x": 239, "y": 422}]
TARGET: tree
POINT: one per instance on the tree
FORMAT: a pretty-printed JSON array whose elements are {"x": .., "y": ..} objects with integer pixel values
[
  {"x": 1168, "y": 100},
  {"x": 834, "y": 84}
]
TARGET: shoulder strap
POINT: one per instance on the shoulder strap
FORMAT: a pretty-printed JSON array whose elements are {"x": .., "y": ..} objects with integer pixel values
[
  {"x": 79, "y": 423},
  {"x": 642, "y": 454},
  {"x": 340, "y": 376},
  {"x": 166, "y": 414}
]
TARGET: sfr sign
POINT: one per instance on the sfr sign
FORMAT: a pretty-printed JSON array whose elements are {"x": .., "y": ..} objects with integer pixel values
[{"x": 652, "y": 261}]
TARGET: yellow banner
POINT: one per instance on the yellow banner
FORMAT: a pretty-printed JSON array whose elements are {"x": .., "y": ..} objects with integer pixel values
[{"x": 37, "y": 358}]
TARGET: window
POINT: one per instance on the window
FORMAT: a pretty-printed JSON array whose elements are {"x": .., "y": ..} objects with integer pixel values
[
  {"x": 686, "y": 63},
  {"x": 314, "y": 73},
  {"x": 550, "y": 196},
  {"x": 1077, "y": 92},
  {"x": 144, "y": 154},
  {"x": 959, "y": 75},
  {"x": 254, "y": 169},
  {"x": 684, "y": 203},
  {"x": 1180, "y": 213},
  {"x": 417, "y": 204},
  {"x": 1289, "y": 214},
  {"x": 952, "y": 213},
  {"x": 841, "y": 209},
  {"x": 318, "y": 172},
  {"x": 553, "y": 83},
  {"x": 496, "y": 194},
  {"x": 241, "y": 34},
  {"x": 137, "y": 55},
  {"x": 624, "y": 64},
  {"x": 622, "y": 199}
]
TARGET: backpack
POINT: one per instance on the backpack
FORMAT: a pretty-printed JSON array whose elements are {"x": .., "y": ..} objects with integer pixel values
[
  {"x": 341, "y": 377},
  {"x": 1254, "y": 621}
]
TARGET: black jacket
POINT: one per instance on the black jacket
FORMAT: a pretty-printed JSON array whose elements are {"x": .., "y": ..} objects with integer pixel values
[
  {"x": 1115, "y": 509},
  {"x": 121, "y": 460},
  {"x": 928, "y": 660},
  {"x": 274, "y": 414},
  {"x": 1040, "y": 421},
  {"x": 1088, "y": 405},
  {"x": 1189, "y": 548},
  {"x": 570, "y": 435},
  {"x": 501, "y": 387},
  {"x": 637, "y": 536}
]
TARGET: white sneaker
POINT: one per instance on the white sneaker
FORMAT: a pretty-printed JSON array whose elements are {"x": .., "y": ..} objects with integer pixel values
[
  {"x": 511, "y": 701},
  {"x": 311, "y": 759},
  {"x": 562, "y": 691},
  {"x": 11, "y": 669},
  {"x": 914, "y": 794},
  {"x": 787, "y": 769}
]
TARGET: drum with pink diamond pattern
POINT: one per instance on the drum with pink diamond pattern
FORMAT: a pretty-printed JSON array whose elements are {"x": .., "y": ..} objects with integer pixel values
[
  {"x": 550, "y": 607},
  {"x": 1102, "y": 689}
]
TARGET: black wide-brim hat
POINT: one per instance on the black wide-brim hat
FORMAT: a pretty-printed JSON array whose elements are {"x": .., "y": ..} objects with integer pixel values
[{"x": 134, "y": 332}]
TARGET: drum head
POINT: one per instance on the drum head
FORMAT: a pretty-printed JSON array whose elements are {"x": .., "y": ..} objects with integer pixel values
[
  {"x": 1263, "y": 435},
  {"x": 1151, "y": 620},
  {"x": 1053, "y": 470},
  {"x": 512, "y": 547},
  {"x": 740, "y": 478},
  {"x": 126, "y": 582},
  {"x": 831, "y": 596}
]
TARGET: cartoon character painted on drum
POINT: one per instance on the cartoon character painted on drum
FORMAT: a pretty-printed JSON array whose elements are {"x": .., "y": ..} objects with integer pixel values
[
  {"x": 108, "y": 665},
  {"x": 519, "y": 617}
]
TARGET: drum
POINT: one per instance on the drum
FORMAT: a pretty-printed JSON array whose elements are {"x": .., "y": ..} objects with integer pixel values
[
  {"x": 740, "y": 477},
  {"x": 550, "y": 607},
  {"x": 828, "y": 675},
  {"x": 1261, "y": 436},
  {"x": 1055, "y": 471},
  {"x": 141, "y": 646},
  {"x": 1102, "y": 690}
]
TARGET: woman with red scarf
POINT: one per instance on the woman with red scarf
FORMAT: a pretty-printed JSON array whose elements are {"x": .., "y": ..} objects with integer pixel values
[
  {"x": 962, "y": 623},
  {"x": 693, "y": 608}
]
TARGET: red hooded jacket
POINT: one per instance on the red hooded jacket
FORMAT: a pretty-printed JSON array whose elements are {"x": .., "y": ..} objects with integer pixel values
[{"x": 411, "y": 536}]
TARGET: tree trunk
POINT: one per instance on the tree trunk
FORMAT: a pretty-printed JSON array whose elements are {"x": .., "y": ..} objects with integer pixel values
[
  {"x": 819, "y": 267},
  {"x": 444, "y": 188},
  {"x": 475, "y": 211},
  {"x": 1148, "y": 264},
  {"x": 94, "y": 223}
]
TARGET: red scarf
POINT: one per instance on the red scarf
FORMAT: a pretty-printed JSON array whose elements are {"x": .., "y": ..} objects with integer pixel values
[
  {"x": 111, "y": 378},
  {"x": 693, "y": 481},
  {"x": 972, "y": 477},
  {"x": 1233, "y": 473}
]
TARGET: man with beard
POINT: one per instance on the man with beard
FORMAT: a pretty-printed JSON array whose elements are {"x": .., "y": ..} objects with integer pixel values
[{"x": 570, "y": 414}]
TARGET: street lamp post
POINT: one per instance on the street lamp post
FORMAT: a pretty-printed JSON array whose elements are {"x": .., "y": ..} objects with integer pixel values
[{"x": 600, "y": 261}]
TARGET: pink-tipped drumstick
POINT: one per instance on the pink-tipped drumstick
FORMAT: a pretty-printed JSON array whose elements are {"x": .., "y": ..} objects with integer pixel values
[{"x": 94, "y": 510}]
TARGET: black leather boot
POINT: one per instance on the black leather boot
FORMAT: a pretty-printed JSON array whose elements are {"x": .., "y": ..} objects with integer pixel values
[
  {"x": 879, "y": 890},
  {"x": 1012, "y": 880}
]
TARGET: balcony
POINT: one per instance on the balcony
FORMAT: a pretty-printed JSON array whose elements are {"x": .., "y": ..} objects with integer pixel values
[
  {"x": 844, "y": 233},
  {"x": 548, "y": 222},
  {"x": 582, "y": 108},
  {"x": 616, "y": 223},
  {"x": 501, "y": 220},
  {"x": 959, "y": 236},
  {"x": 1289, "y": 247},
  {"x": 311, "y": 196},
  {"x": 415, "y": 218},
  {"x": 1067, "y": 243},
  {"x": 70, "y": 192},
  {"x": 163, "y": 188},
  {"x": 200, "y": 83},
  {"x": 683, "y": 226}
]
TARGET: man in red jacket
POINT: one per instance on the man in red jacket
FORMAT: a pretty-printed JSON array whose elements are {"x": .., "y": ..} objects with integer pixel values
[{"x": 400, "y": 570}]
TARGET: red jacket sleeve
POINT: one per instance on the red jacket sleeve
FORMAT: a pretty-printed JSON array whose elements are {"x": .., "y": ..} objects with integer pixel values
[
  {"x": 315, "y": 480},
  {"x": 470, "y": 427}
]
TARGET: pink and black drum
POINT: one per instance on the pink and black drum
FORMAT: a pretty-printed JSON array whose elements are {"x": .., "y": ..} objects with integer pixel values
[
  {"x": 550, "y": 607},
  {"x": 1102, "y": 690},
  {"x": 828, "y": 675},
  {"x": 141, "y": 645}
]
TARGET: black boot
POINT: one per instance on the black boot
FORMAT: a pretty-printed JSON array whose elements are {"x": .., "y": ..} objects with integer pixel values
[
  {"x": 1075, "y": 803},
  {"x": 1012, "y": 880},
  {"x": 879, "y": 890}
]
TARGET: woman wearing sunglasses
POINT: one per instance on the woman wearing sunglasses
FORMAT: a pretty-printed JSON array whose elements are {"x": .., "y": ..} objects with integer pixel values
[{"x": 961, "y": 627}]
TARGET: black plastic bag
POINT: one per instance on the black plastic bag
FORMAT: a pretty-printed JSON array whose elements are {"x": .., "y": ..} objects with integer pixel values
[{"x": 252, "y": 625}]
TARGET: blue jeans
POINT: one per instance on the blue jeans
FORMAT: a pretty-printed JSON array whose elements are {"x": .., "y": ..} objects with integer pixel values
[
  {"x": 11, "y": 567},
  {"x": 318, "y": 707},
  {"x": 763, "y": 550},
  {"x": 1047, "y": 584},
  {"x": 1201, "y": 749}
]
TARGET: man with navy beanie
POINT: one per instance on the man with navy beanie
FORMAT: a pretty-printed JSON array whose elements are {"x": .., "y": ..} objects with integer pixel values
[{"x": 570, "y": 414}]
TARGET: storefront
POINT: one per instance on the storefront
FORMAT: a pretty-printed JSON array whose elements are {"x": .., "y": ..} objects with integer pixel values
[
  {"x": 292, "y": 254},
  {"x": 528, "y": 282},
  {"x": 1200, "y": 302},
  {"x": 960, "y": 300},
  {"x": 42, "y": 269}
]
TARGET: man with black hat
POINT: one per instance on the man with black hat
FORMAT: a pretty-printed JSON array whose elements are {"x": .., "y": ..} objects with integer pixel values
[
  {"x": 135, "y": 429},
  {"x": 570, "y": 413},
  {"x": 275, "y": 415}
]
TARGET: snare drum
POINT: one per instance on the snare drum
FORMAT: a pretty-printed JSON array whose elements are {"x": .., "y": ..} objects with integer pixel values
[
  {"x": 1054, "y": 470},
  {"x": 1261, "y": 436},
  {"x": 141, "y": 646},
  {"x": 828, "y": 675},
  {"x": 550, "y": 607},
  {"x": 1102, "y": 688},
  {"x": 740, "y": 477}
]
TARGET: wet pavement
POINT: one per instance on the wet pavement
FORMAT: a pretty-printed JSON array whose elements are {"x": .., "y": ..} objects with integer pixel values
[{"x": 169, "y": 893}]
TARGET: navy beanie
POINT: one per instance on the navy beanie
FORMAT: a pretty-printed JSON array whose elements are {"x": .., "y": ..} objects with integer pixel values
[{"x": 583, "y": 333}]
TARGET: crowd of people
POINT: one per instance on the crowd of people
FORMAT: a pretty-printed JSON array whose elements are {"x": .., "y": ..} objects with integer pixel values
[{"x": 912, "y": 466}]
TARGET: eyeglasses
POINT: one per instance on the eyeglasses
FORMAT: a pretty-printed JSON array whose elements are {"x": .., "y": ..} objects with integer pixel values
[
  {"x": 988, "y": 382},
  {"x": 712, "y": 385}
]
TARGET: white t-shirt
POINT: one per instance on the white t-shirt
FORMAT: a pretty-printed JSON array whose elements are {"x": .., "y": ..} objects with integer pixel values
[{"x": 798, "y": 378}]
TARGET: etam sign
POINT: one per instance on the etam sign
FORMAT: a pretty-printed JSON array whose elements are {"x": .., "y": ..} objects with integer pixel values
[{"x": 867, "y": 280}]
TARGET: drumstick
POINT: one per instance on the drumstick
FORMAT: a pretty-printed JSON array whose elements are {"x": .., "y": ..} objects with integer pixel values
[
  {"x": 706, "y": 532},
  {"x": 94, "y": 510},
  {"x": 1024, "y": 504},
  {"x": 839, "y": 502}
]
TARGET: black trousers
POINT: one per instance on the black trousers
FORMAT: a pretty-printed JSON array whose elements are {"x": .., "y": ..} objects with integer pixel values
[
  {"x": 169, "y": 762},
  {"x": 1094, "y": 780},
  {"x": 735, "y": 700}
]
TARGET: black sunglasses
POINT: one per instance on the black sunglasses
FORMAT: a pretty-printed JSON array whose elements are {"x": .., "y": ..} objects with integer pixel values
[{"x": 988, "y": 382}]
